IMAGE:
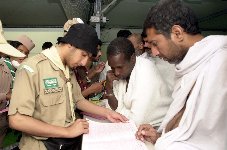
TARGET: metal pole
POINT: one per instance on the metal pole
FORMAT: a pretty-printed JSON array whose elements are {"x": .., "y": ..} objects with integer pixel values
[{"x": 98, "y": 14}]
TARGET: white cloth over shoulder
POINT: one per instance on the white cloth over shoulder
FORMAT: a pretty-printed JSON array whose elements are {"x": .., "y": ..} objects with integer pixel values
[
  {"x": 166, "y": 69},
  {"x": 147, "y": 98},
  {"x": 203, "y": 124}
]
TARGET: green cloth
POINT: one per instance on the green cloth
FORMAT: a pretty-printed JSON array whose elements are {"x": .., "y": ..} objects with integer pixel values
[
  {"x": 11, "y": 137},
  {"x": 11, "y": 68}
]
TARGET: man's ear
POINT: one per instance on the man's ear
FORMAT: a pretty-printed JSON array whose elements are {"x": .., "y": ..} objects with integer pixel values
[
  {"x": 69, "y": 46},
  {"x": 141, "y": 46},
  {"x": 177, "y": 33}
]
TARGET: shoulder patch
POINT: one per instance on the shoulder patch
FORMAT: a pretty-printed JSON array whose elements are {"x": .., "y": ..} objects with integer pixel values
[
  {"x": 30, "y": 64},
  {"x": 27, "y": 68}
]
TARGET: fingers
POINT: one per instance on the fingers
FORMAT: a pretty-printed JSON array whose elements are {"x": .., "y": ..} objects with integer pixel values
[
  {"x": 102, "y": 63},
  {"x": 144, "y": 127},
  {"x": 116, "y": 117},
  {"x": 112, "y": 119},
  {"x": 80, "y": 126},
  {"x": 123, "y": 118},
  {"x": 85, "y": 131},
  {"x": 141, "y": 134},
  {"x": 150, "y": 135},
  {"x": 81, "y": 120}
]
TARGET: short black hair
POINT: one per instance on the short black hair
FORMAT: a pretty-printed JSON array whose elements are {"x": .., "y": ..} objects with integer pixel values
[
  {"x": 143, "y": 34},
  {"x": 46, "y": 45},
  {"x": 59, "y": 40},
  {"x": 121, "y": 45},
  {"x": 167, "y": 13},
  {"x": 15, "y": 44},
  {"x": 124, "y": 33}
]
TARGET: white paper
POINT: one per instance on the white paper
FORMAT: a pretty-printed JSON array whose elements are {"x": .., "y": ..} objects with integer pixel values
[{"x": 112, "y": 136}]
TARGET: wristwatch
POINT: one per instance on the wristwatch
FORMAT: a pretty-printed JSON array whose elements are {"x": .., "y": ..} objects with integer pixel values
[{"x": 87, "y": 79}]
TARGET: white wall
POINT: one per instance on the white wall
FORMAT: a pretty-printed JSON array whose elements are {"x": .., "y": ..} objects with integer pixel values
[
  {"x": 41, "y": 35},
  {"x": 38, "y": 36}
]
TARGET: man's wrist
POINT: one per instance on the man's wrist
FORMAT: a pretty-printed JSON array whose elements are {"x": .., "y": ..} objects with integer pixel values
[
  {"x": 88, "y": 80},
  {"x": 109, "y": 94}
]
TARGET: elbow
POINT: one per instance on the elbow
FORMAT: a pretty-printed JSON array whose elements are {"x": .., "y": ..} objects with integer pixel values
[
  {"x": 13, "y": 121},
  {"x": 113, "y": 107}
]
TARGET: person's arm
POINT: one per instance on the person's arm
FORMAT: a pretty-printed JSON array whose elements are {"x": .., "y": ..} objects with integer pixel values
[
  {"x": 148, "y": 133},
  {"x": 94, "y": 88},
  {"x": 95, "y": 70},
  {"x": 111, "y": 115},
  {"x": 22, "y": 107},
  {"x": 36, "y": 127},
  {"x": 112, "y": 100},
  {"x": 89, "y": 107}
]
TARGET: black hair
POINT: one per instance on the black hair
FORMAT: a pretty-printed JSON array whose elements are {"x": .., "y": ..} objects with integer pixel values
[
  {"x": 46, "y": 45},
  {"x": 15, "y": 44},
  {"x": 99, "y": 42},
  {"x": 59, "y": 40},
  {"x": 124, "y": 33},
  {"x": 121, "y": 45},
  {"x": 143, "y": 34},
  {"x": 167, "y": 13}
]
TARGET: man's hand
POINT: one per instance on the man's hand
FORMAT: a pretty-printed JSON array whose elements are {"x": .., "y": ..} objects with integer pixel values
[
  {"x": 80, "y": 126},
  {"x": 95, "y": 70},
  {"x": 114, "y": 116},
  {"x": 96, "y": 87},
  {"x": 110, "y": 77},
  {"x": 99, "y": 68},
  {"x": 148, "y": 133}
]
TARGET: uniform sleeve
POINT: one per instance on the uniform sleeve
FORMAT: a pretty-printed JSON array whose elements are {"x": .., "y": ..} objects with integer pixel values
[
  {"x": 5, "y": 82},
  {"x": 24, "y": 93}
]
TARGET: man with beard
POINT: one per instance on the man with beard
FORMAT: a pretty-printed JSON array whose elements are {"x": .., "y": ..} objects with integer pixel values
[
  {"x": 197, "y": 117},
  {"x": 134, "y": 86}
]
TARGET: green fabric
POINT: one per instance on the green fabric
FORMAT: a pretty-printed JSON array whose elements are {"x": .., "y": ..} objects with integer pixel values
[
  {"x": 11, "y": 68},
  {"x": 11, "y": 137}
]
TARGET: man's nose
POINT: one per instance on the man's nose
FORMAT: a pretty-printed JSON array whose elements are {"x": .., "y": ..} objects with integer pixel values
[
  {"x": 154, "y": 51},
  {"x": 116, "y": 72},
  {"x": 84, "y": 61}
]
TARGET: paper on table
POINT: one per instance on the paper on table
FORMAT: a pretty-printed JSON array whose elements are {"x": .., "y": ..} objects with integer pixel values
[{"x": 112, "y": 136}]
